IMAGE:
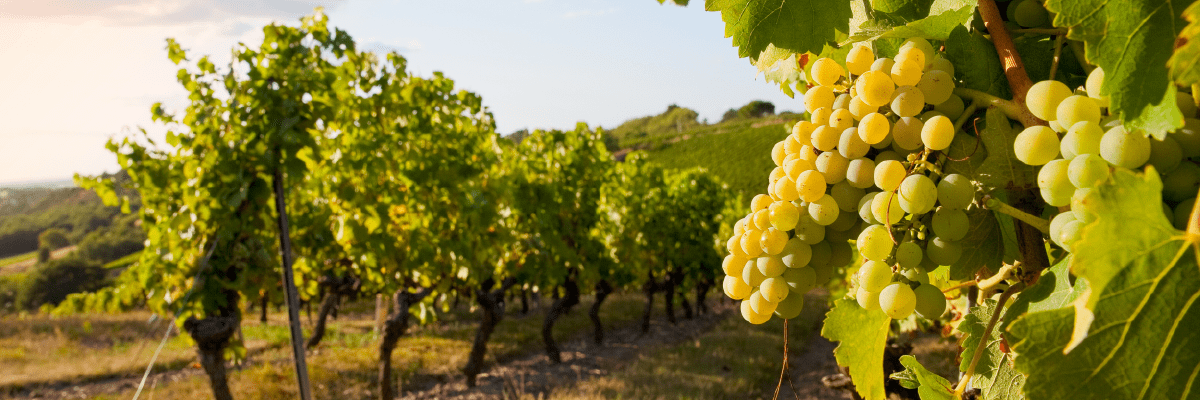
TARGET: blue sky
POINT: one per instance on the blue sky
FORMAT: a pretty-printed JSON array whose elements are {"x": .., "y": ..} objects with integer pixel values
[{"x": 79, "y": 72}]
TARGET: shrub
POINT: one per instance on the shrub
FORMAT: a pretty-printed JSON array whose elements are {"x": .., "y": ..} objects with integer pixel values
[
  {"x": 54, "y": 238},
  {"x": 43, "y": 254},
  {"x": 51, "y": 282}
]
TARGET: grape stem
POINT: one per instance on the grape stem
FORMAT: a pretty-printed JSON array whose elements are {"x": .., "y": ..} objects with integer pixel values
[
  {"x": 966, "y": 115},
  {"x": 990, "y": 284},
  {"x": 1080, "y": 54},
  {"x": 1058, "y": 44},
  {"x": 1044, "y": 31},
  {"x": 1014, "y": 68},
  {"x": 1009, "y": 107},
  {"x": 996, "y": 205},
  {"x": 983, "y": 340}
]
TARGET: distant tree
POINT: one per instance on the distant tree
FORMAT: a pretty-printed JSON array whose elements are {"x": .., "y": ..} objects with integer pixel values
[
  {"x": 732, "y": 114},
  {"x": 518, "y": 136},
  {"x": 756, "y": 109},
  {"x": 53, "y": 238},
  {"x": 51, "y": 282},
  {"x": 43, "y": 254}
]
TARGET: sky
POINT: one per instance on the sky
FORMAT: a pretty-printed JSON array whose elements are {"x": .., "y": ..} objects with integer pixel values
[{"x": 77, "y": 73}]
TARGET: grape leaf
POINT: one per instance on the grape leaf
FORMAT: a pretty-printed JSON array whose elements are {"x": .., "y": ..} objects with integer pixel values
[
  {"x": 1001, "y": 169},
  {"x": 862, "y": 335},
  {"x": 930, "y": 386},
  {"x": 1187, "y": 55},
  {"x": 976, "y": 63},
  {"x": 681, "y": 3},
  {"x": 1131, "y": 40},
  {"x": 1143, "y": 341},
  {"x": 781, "y": 66},
  {"x": 1053, "y": 290},
  {"x": 994, "y": 374},
  {"x": 940, "y": 19},
  {"x": 990, "y": 244},
  {"x": 798, "y": 25}
]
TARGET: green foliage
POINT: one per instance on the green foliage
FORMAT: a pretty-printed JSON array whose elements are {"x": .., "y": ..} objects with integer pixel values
[
  {"x": 994, "y": 374},
  {"x": 53, "y": 238},
  {"x": 43, "y": 254},
  {"x": 739, "y": 155},
  {"x": 976, "y": 62},
  {"x": 1140, "y": 339},
  {"x": 50, "y": 283},
  {"x": 863, "y": 336},
  {"x": 755, "y": 24},
  {"x": 1132, "y": 42},
  {"x": 672, "y": 121},
  {"x": 1187, "y": 55},
  {"x": 905, "y": 19},
  {"x": 930, "y": 386},
  {"x": 756, "y": 109}
]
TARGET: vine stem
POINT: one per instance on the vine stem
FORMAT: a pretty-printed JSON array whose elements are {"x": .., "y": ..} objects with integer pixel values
[
  {"x": 995, "y": 204},
  {"x": 983, "y": 340},
  {"x": 1014, "y": 68},
  {"x": 1011, "y": 109},
  {"x": 1058, "y": 45},
  {"x": 783, "y": 371},
  {"x": 1044, "y": 31}
]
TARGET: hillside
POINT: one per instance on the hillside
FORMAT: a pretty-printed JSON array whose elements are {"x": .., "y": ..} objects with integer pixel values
[{"x": 739, "y": 152}]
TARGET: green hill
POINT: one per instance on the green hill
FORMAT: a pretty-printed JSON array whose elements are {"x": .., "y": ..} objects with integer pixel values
[
  {"x": 673, "y": 121},
  {"x": 739, "y": 152}
]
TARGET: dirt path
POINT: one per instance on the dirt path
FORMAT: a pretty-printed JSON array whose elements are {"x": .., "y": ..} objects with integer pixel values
[
  {"x": 534, "y": 375},
  {"x": 22, "y": 266}
]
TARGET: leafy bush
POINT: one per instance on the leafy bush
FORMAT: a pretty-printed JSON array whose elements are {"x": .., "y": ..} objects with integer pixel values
[
  {"x": 51, "y": 282},
  {"x": 756, "y": 109},
  {"x": 674, "y": 120},
  {"x": 54, "y": 238},
  {"x": 10, "y": 286}
]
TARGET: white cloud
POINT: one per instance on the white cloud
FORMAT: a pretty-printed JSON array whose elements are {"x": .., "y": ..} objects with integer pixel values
[
  {"x": 157, "y": 12},
  {"x": 588, "y": 13}
]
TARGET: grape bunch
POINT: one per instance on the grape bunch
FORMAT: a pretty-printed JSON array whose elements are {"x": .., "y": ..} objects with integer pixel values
[
  {"x": 1093, "y": 143},
  {"x": 865, "y": 167}
]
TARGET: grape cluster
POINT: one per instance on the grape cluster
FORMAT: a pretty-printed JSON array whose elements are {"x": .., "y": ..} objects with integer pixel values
[
  {"x": 1093, "y": 143},
  {"x": 865, "y": 167}
]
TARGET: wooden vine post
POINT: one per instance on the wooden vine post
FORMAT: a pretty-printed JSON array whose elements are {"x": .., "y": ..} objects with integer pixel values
[{"x": 291, "y": 295}]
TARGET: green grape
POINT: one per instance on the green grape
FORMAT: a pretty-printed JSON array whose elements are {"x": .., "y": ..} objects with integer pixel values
[
  {"x": 897, "y": 300},
  {"x": 875, "y": 243},
  {"x": 1074, "y": 109},
  {"x": 1087, "y": 171},
  {"x": 1186, "y": 104},
  {"x": 784, "y": 214},
  {"x": 1181, "y": 183},
  {"x": 796, "y": 254},
  {"x": 1165, "y": 154},
  {"x": 883, "y": 144},
  {"x": 860, "y": 173},
  {"x": 833, "y": 166},
  {"x": 1094, "y": 81},
  {"x": 951, "y": 225},
  {"x": 824, "y": 211},
  {"x": 938, "y": 132},
  {"x": 875, "y": 88},
  {"x": 920, "y": 44},
  {"x": 888, "y": 155},
  {"x": 906, "y": 133},
  {"x": 942, "y": 251},
  {"x": 821, "y": 252},
  {"x": 820, "y": 116},
  {"x": 930, "y": 114},
  {"x": 1082, "y": 138},
  {"x": 1125, "y": 149},
  {"x": 846, "y": 196},
  {"x": 818, "y": 97},
  {"x": 1044, "y": 97},
  {"x": 1188, "y": 137},
  {"x": 842, "y": 102},
  {"x": 859, "y": 60},
  {"x": 1069, "y": 234},
  {"x": 930, "y": 302},
  {"x": 811, "y": 185},
  {"x": 774, "y": 289},
  {"x": 889, "y": 174},
  {"x": 955, "y": 192},
  {"x": 825, "y": 72},
  {"x": 752, "y": 275},
  {"x": 1036, "y": 145},
  {"x": 825, "y": 138},
  {"x": 874, "y": 275},
  {"x": 809, "y": 231},
  {"x": 886, "y": 208},
  {"x": 907, "y": 101},
  {"x": 917, "y": 194},
  {"x": 1183, "y": 213},
  {"x": 1031, "y": 14},
  {"x": 790, "y": 307},
  {"x": 852, "y": 146},
  {"x": 937, "y": 87},
  {"x": 800, "y": 280},
  {"x": 843, "y": 224},
  {"x": 859, "y": 109},
  {"x": 840, "y": 253},
  {"x": 907, "y": 72},
  {"x": 1056, "y": 225},
  {"x": 773, "y": 241},
  {"x": 1055, "y": 185},
  {"x": 874, "y": 128},
  {"x": 911, "y": 53},
  {"x": 864, "y": 208},
  {"x": 840, "y": 120},
  {"x": 1082, "y": 212},
  {"x": 952, "y": 108},
  {"x": 882, "y": 65},
  {"x": 760, "y": 304},
  {"x": 752, "y": 317},
  {"x": 735, "y": 288},
  {"x": 908, "y": 255},
  {"x": 916, "y": 274},
  {"x": 867, "y": 300},
  {"x": 940, "y": 63}
]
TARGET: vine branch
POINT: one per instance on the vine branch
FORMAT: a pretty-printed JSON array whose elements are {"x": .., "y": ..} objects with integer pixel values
[
  {"x": 996, "y": 205},
  {"x": 983, "y": 340}
]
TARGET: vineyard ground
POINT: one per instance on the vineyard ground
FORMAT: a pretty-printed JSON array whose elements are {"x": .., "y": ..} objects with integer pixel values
[{"x": 21, "y": 263}]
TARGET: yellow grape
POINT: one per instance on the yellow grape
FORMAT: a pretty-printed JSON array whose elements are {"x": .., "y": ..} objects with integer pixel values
[
  {"x": 941, "y": 64},
  {"x": 875, "y": 88},
  {"x": 1124, "y": 149},
  {"x": 906, "y": 133},
  {"x": 937, "y": 86},
  {"x": 824, "y": 211},
  {"x": 735, "y": 288},
  {"x": 818, "y": 97},
  {"x": 885, "y": 207},
  {"x": 777, "y": 154},
  {"x": 1043, "y": 98},
  {"x": 882, "y": 65},
  {"x": 866, "y": 299},
  {"x": 938, "y": 132},
  {"x": 825, "y": 72},
  {"x": 859, "y": 109},
  {"x": 907, "y": 101},
  {"x": 794, "y": 167},
  {"x": 773, "y": 239},
  {"x": 733, "y": 264},
  {"x": 889, "y": 174},
  {"x": 752, "y": 275},
  {"x": 952, "y": 108},
  {"x": 825, "y": 137},
  {"x": 820, "y": 116},
  {"x": 774, "y": 289},
  {"x": 750, "y": 243},
  {"x": 759, "y": 202},
  {"x": 801, "y": 130},
  {"x": 851, "y": 145},
  {"x": 875, "y": 243},
  {"x": 808, "y": 153},
  {"x": 785, "y": 188},
  {"x": 793, "y": 143},
  {"x": 777, "y": 174},
  {"x": 751, "y": 316},
  {"x": 859, "y": 60},
  {"x": 841, "y": 119},
  {"x": 907, "y": 72},
  {"x": 860, "y": 173},
  {"x": 897, "y": 300},
  {"x": 874, "y": 275},
  {"x": 791, "y": 306},
  {"x": 761, "y": 219},
  {"x": 833, "y": 166},
  {"x": 920, "y": 44},
  {"x": 784, "y": 214},
  {"x": 796, "y": 254},
  {"x": 1038, "y": 144},
  {"x": 811, "y": 185},
  {"x": 1077, "y": 108},
  {"x": 761, "y": 305},
  {"x": 912, "y": 53},
  {"x": 1093, "y": 86}
]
